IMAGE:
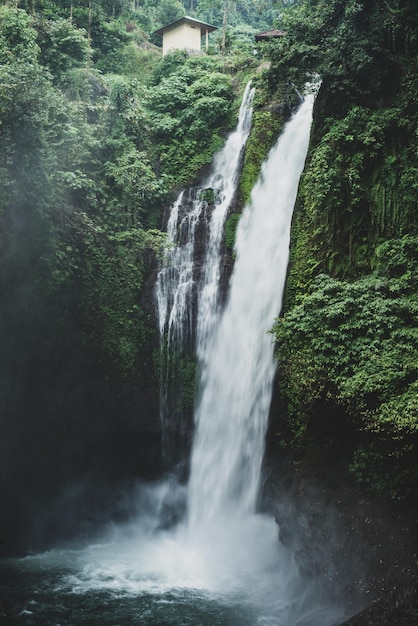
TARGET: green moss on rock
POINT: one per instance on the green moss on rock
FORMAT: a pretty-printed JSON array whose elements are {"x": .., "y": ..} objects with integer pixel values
[{"x": 266, "y": 127}]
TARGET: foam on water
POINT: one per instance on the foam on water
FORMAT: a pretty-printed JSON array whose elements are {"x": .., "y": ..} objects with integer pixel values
[
  {"x": 222, "y": 559},
  {"x": 223, "y": 548},
  {"x": 241, "y": 576}
]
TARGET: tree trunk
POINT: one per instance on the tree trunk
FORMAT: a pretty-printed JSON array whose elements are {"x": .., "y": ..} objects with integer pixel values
[
  {"x": 224, "y": 26},
  {"x": 90, "y": 20}
]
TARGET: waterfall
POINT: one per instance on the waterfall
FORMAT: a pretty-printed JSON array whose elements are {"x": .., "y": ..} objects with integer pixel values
[
  {"x": 221, "y": 563},
  {"x": 231, "y": 417},
  {"x": 200, "y": 553},
  {"x": 233, "y": 347},
  {"x": 222, "y": 545},
  {"x": 175, "y": 294},
  {"x": 188, "y": 294}
]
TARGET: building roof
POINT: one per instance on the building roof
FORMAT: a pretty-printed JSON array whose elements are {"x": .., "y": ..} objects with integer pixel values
[
  {"x": 205, "y": 28},
  {"x": 270, "y": 34}
]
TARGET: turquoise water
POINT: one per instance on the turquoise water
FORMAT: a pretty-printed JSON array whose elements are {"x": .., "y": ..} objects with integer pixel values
[
  {"x": 43, "y": 590},
  {"x": 147, "y": 578}
]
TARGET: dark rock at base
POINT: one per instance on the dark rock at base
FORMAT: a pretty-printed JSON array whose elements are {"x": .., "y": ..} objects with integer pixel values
[
  {"x": 360, "y": 547},
  {"x": 398, "y": 609}
]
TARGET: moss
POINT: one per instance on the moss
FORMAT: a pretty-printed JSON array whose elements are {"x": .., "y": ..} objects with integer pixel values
[
  {"x": 187, "y": 370},
  {"x": 266, "y": 127},
  {"x": 207, "y": 195},
  {"x": 231, "y": 226}
]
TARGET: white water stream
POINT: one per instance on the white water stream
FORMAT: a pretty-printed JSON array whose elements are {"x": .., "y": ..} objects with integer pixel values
[
  {"x": 231, "y": 418},
  {"x": 222, "y": 564},
  {"x": 223, "y": 544},
  {"x": 187, "y": 296}
]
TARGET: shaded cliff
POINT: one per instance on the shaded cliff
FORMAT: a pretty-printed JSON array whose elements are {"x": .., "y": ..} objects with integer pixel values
[{"x": 345, "y": 418}]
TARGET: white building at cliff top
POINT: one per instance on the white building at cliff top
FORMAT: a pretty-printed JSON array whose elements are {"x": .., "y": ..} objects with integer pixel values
[{"x": 184, "y": 34}]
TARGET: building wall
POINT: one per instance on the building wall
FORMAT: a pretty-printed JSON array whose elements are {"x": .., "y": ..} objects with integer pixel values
[{"x": 184, "y": 36}]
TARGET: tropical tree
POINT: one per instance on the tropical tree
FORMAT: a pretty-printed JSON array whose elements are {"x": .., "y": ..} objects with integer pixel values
[{"x": 225, "y": 8}]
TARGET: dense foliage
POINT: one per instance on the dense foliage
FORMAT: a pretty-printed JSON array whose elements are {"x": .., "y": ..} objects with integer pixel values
[
  {"x": 354, "y": 344},
  {"x": 347, "y": 340},
  {"x": 191, "y": 102},
  {"x": 96, "y": 132},
  {"x": 88, "y": 160},
  {"x": 361, "y": 184}
]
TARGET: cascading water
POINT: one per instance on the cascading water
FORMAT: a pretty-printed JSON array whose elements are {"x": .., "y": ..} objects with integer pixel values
[
  {"x": 232, "y": 414},
  {"x": 224, "y": 180},
  {"x": 175, "y": 293},
  {"x": 222, "y": 564},
  {"x": 222, "y": 543},
  {"x": 184, "y": 293}
]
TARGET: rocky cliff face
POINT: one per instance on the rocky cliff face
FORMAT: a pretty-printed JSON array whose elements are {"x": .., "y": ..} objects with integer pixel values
[
  {"x": 362, "y": 548},
  {"x": 353, "y": 200},
  {"x": 75, "y": 433},
  {"x": 400, "y": 607}
]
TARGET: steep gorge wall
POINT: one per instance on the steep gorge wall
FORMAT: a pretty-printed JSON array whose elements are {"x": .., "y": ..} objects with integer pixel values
[
  {"x": 349, "y": 319},
  {"x": 344, "y": 419}
]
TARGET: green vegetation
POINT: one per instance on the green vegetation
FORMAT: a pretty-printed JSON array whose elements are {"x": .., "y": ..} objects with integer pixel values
[
  {"x": 237, "y": 22},
  {"x": 96, "y": 130},
  {"x": 231, "y": 226},
  {"x": 354, "y": 345},
  {"x": 266, "y": 127},
  {"x": 96, "y": 133},
  {"x": 347, "y": 339},
  {"x": 191, "y": 102},
  {"x": 178, "y": 370}
]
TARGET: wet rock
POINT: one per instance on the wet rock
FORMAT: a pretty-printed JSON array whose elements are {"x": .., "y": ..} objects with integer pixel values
[
  {"x": 397, "y": 609},
  {"x": 361, "y": 548}
]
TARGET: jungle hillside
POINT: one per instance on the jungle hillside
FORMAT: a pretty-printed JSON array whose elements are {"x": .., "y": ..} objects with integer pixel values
[{"x": 98, "y": 133}]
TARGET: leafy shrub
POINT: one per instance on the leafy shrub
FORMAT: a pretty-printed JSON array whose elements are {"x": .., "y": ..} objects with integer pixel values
[
  {"x": 188, "y": 108},
  {"x": 354, "y": 345},
  {"x": 231, "y": 226},
  {"x": 63, "y": 46}
]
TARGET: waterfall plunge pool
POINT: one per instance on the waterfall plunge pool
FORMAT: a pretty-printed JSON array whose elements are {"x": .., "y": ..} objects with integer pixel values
[
  {"x": 223, "y": 564},
  {"x": 235, "y": 575}
]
